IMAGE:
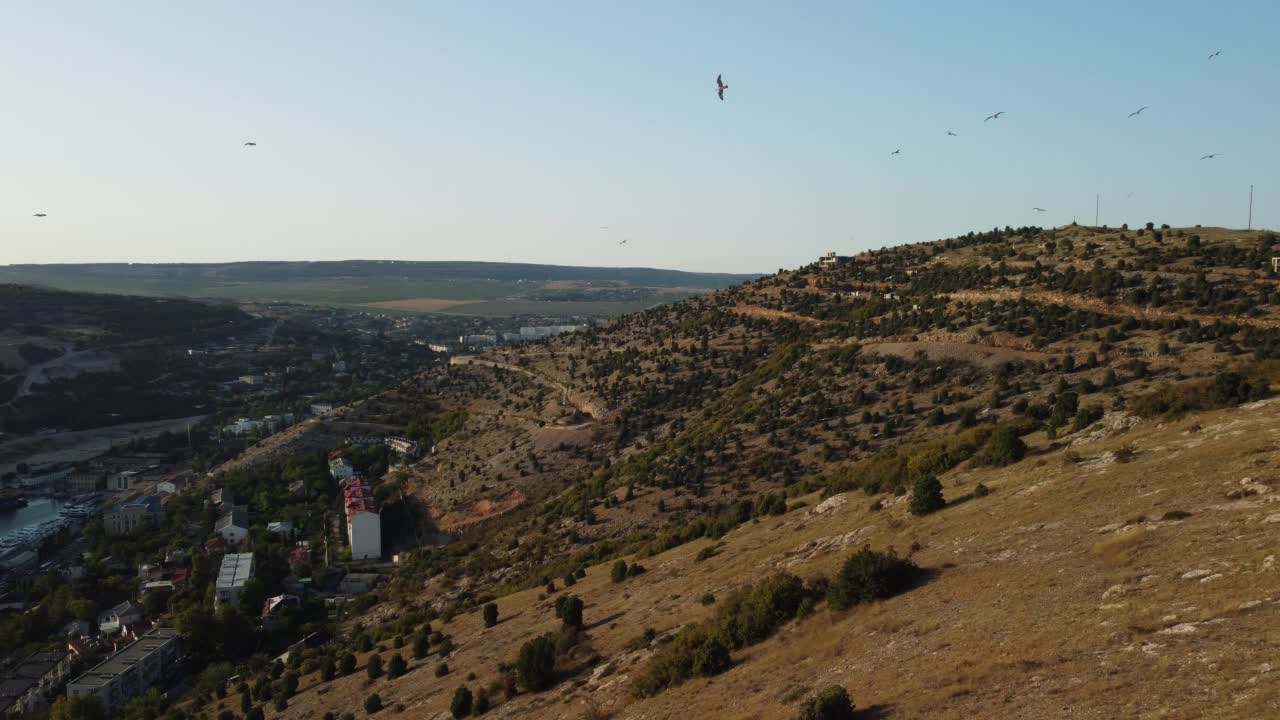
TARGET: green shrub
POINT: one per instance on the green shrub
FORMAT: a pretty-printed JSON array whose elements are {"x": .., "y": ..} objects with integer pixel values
[
  {"x": 829, "y": 704},
  {"x": 461, "y": 705},
  {"x": 618, "y": 572},
  {"x": 868, "y": 576},
  {"x": 397, "y": 666},
  {"x": 442, "y": 669},
  {"x": 980, "y": 490},
  {"x": 481, "y": 704},
  {"x": 281, "y": 703},
  {"x": 1228, "y": 388},
  {"x": 750, "y": 615},
  {"x": 373, "y": 703},
  {"x": 1004, "y": 447},
  {"x": 420, "y": 646},
  {"x": 535, "y": 668},
  {"x": 347, "y": 664},
  {"x": 570, "y": 611},
  {"x": 490, "y": 615},
  {"x": 328, "y": 668},
  {"x": 926, "y": 496},
  {"x": 374, "y": 667}
]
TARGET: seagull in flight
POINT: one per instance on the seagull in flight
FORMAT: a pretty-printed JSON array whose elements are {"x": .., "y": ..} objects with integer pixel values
[
  {"x": 251, "y": 144},
  {"x": 994, "y": 117},
  {"x": 896, "y": 152},
  {"x": 1210, "y": 156},
  {"x": 40, "y": 215},
  {"x": 1038, "y": 209},
  {"x": 720, "y": 87},
  {"x": 951, "y": 133},
  {"x": 1139, "y": 110},
  {"x": 624, "y": 241},
  {"x": 1215, "y": 54}
]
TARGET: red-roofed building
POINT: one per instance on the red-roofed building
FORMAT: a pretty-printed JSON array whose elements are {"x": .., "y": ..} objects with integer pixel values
[
  {"x": 300, "y": 554},
  {"x": 364, "y": 524}
]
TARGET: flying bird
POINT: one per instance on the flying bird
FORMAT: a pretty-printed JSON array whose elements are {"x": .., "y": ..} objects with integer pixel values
[
  {"x": 624, "y": 241},
  {"x": 1210, "y": 156},
  {"x": 1215, "y": 54},
  {"x": 1038, "y": 209},
  {"x": 1139, "y": 110},
  {"x": 895, "y": 152},
  {"x": 994, "y": 117},
  {"x": 951, "y": 133},
  {"x": 251, "y": 144},
  {"x": 40, "y": 215},
  {"x": 720, "y": 87}
]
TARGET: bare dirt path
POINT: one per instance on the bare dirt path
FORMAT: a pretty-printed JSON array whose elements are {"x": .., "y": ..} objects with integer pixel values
[
  {"x": 585, "y": 405},
  {"x": 771, "y": 314},
  {"x": 1095, "y": 305}
]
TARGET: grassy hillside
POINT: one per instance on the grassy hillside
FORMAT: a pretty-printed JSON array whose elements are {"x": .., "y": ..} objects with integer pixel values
[
  {"x": 1068, "y": 431},
  {"x": 494, "y": 288}
]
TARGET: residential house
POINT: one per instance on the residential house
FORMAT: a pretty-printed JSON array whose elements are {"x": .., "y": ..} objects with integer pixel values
[
  {"x": 364, "y": 523},
  {"x": 283, "y": 528},
  {"x": 356, "y": 583},
  {"x": 130, "y": 672},
  {"x": 300, "y": 554},
  {"x": 341, "y": 469},
  {"x": 214, "y": 548},
  {"x": 223, "y": 498},
  {"x": 233, "y": 526},
  {"x": 235, "y": 571},
  {"x": 113, "y": 620}
]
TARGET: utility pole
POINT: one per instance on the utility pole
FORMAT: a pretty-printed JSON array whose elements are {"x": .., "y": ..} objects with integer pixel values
[
  {"x": 1250, "y": 207},
  {"x": 1097, "y": 202}
]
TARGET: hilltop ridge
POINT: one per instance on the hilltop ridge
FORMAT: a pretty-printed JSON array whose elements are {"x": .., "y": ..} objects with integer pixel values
[{"x": 1090, "y": 403}]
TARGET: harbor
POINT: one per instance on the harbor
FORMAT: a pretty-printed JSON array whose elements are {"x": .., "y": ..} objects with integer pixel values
[{"x": 41, "y": 518}]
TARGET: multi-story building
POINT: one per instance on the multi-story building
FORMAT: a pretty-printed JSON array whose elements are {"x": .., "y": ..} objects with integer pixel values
[
  {"x": 364, "y": 524},
  {"x": 26, "y": 686},
  {"x": 341, "y": 469},
  {"x": 236, "y": 570},
  {"x": 137, "y": 668},
  {"x": 133, "y": 517},
  {"x": 85, "y": 482}
]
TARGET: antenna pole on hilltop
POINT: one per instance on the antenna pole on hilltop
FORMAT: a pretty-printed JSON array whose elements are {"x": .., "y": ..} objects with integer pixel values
[
  {"x": 1250, "y": 207},
  {"x": 1097, "y": 202}
]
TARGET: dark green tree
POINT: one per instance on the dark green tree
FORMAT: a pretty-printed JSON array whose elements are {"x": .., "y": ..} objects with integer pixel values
[
  {"x": 461, "y": 705},
  {"x": 926, "y": 496}
]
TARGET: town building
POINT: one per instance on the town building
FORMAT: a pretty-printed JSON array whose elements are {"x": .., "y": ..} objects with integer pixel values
[
  {"x": 124, "y": 480},
  {"x": 236, "y": 570},
  {"x": 26, "y": 687},
  {"x": 126, "y": 613},
  {"x": 356, "y": 583},
  {"x": 831, "y": 260},
  {"x": 133, "y": 517},
  {"x": 130, "y": 672},
  {"x": 233, "y": 526},
  {"x": 85, "y": 482},
  {"x": 341, "y": 469},
  {"x": 364, "y": 524}
]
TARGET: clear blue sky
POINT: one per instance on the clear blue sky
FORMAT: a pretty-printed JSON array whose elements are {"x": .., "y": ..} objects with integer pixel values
[{"x": 513, "y": 130}]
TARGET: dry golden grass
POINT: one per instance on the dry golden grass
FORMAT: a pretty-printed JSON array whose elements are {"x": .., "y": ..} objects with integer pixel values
[{"x": 1041, "y": 604}]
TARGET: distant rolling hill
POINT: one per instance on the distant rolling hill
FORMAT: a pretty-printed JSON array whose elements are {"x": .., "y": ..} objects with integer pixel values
[{"x": 471, "y": 288}]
